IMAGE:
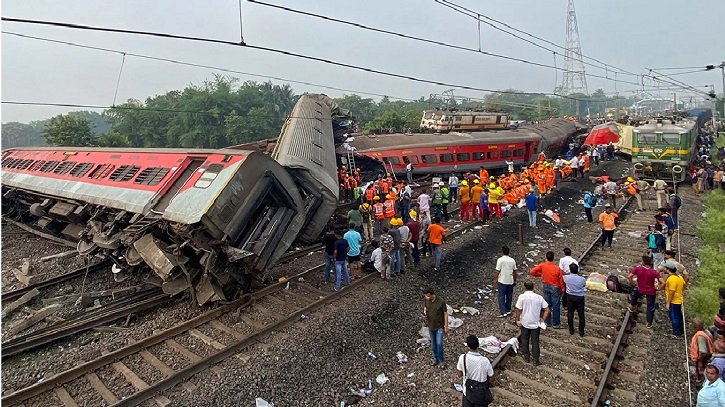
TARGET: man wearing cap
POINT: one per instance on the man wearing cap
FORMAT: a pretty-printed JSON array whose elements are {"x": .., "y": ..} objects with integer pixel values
[
  {"x": 473, "y": 366},
  {"x": 606, "y": 221},
  {"x": 476, "y": 191},
  {"x": 644, "y": 189},
  {"x": 438, "y": 200},
  {"x": 378, "y": 215},
  {"x": 674, "y": 286},
  {"x": 660, "y": 191},
  {"x": 681, "y": 270},
  {"x": 453, "y": 184},
  {"x": 464, "y": 196},
  {"x": 444, "y": 205}
]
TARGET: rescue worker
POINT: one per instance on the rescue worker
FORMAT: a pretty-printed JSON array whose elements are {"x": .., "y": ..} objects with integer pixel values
[
  {"x": 482, "y": 174},
  {"x": 541, "y": 182},
  {"x": 369, "y": 194},
  {"x": 476, "y": 199},
  {"x": 438, "y": 200},
  {"x": 366, "y": 215},
  {"x": 550, "y": 177},
  {"x": 495, "y": 194},
  {"x": 378, "y": 215},
  {"x": 464, "y": 196},
  {"x": 388, "y": 208},
  {"x": 444, "y": 205}
]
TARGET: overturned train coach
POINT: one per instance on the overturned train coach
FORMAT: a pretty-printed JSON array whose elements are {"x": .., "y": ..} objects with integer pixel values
[
  {"x": 457, "y": 151},
  {"x": 213, "y": 220},
  {"x": 305, "y": 148}
]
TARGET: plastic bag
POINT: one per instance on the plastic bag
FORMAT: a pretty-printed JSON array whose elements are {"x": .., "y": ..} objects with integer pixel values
[
  {"x": 382, "y": 379},
  {"x": 449, "y": 309},
  {"x": 260, "y": 402},
  {"x": 597, "y": 282},
  {"x": 470, "y": 310},
  {"x": 454, "y": 322}
]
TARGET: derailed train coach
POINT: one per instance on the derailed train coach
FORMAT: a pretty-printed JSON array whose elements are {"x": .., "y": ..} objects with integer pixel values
[
  {"x": 305, "y": 148},
  {"x": 459, "y": 151},
  {"x": 207, "y": 221}
]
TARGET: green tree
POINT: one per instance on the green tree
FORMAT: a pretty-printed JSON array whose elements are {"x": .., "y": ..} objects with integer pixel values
[
  {"x": 67, "y": 130},
  {"x": 113, "y": 139}
]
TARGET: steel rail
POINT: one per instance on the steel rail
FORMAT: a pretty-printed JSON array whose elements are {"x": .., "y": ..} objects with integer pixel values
[
  {"x": 11, "y": 295},
  {"x": 80, "y": 370},
  {"x": 147, "y": 300},
  {"x": 507, "y": 352}
]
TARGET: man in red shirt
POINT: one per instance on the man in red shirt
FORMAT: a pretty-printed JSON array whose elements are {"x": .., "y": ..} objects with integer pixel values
[
  {"x": 553, "y": 279},
  {"x": 645, "y": 286}
]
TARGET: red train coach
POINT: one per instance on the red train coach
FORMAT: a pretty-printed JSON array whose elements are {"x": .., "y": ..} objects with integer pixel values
[
  {"x": 442, "y": 153},
  {"x": 195, "y": 217}
]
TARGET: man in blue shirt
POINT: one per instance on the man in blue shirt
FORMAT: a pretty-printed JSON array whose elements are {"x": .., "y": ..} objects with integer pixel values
[
  {"x": 341, "y": 249},
  {"x": 354, "y": 239},
  {"x": 532, "y": 205},
  {"x": 575, "y": 298},
  {"x": 590, "y": 201},
  {"x": 712, "y": 393}
]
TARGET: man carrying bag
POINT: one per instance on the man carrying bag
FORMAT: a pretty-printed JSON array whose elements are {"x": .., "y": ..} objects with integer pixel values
[{"x": 476, "y": 371}]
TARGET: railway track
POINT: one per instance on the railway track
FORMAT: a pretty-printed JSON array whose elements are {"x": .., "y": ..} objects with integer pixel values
[
  {"x": 601, "y": 366},
  {"x": 226, "y": 331}
]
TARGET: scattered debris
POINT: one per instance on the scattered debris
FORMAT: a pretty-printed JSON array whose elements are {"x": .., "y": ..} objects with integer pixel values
[
  {"x": 33, "y": 319},
  {"x": 382, "y": 379},
  {"x": 402, "y": 358},
  {"x": 20, "y": 302}
]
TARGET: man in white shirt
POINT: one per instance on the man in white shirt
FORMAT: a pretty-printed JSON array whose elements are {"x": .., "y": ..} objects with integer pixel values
[
  {"x": 473, "y": 366},
  {"x": 377, "y": 257},
  {"x": 505, "y": 280},
  {"x": 409, "y": 172},
  {"x": 529, "y": 317},
  {"x": 566, "y": 261},
  {"x": 660, "y": 192},
  {"x": 611, "y": 189},
  {"x": 510, "y": 165},
  {"x": 424, "y": 203},
  {"x": 406, "y": 256},
  {"x": 559, "y": 163},
  {"x": 574, "y": 164}
]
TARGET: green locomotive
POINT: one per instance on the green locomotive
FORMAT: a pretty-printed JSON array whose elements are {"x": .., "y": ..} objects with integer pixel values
[{"x": 662, "y": 147}]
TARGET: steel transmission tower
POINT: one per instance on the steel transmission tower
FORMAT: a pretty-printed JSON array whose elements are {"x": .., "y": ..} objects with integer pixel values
[{"x": 575, "y": 81}]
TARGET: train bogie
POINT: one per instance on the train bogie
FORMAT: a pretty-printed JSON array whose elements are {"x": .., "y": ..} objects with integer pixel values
[{"x": 443, "y": 121}]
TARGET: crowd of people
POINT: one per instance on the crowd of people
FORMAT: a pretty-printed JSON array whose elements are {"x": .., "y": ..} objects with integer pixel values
[{"x": 401, "y": 227}]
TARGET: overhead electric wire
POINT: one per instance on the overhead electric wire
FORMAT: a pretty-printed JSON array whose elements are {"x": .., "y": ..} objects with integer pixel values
[
  {"x": 196, "y": 65},
  {"x": 477, "y": 15},
  {"x": 283, "y": 52},
  {"x": 673, "y": 81},
  {"x": 420, "y": 39}
]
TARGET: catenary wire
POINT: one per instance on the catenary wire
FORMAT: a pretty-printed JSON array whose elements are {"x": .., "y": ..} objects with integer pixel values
[
  {"x": 419, "y": 39},
  {"x": 286, "y": 53},
  {"x": 470, "y": 12},
  {"x": 196, "y": 65}
]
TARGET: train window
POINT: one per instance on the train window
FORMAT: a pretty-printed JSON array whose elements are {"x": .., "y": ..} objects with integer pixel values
[
  {"x": 36, "y": 165},
  {"x": 429, "y": 159},
  {"x": 671, "y": 138},
  {"x": 505, "y": 153},
  {"x": 208, "y": 175},
  {"x": 101, "y": 171},
  {"x": 479, "y": 156},
  {"x": 24, "y": 164},
  {"x": 151, "y": 176},
  {"x": 491, "y": 154},
  {"x": 80, "y": 169},
  {"x": 411, "y": 159},
  {"x": 457, "y": 118},
  {"x": 124, "y": 173},
  {"x": 519, "y": 152},
  {"x": 64, "y": 167},
  {"x": 463, "y": 157},
  {"x": 49, "y": 166},
  {"x": 391, "y": 160},
  {"x": 646, "y": 138},
  {"x": 446, "y": 158}
]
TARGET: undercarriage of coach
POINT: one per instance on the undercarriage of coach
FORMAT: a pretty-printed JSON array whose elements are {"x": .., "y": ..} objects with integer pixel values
[
  {"x": 180, "y": 256},
  {"x": 652, "y": 170}
]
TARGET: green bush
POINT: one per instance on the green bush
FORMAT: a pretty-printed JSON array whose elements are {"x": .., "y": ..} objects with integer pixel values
[{"x": 702, "y": 298}]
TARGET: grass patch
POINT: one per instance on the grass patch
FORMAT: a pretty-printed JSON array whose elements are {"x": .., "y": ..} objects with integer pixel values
[{"x": 701, "y": 298}]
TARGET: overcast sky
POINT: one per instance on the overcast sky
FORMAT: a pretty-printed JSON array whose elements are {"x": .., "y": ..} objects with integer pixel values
[{"x": 628, "y": 34}]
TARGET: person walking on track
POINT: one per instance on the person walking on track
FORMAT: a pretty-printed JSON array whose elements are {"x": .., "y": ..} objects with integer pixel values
[
  {"x": 575, "y": 293},
  {"x": 553, "y": 279},
  {"x": 436, "y": 316}
]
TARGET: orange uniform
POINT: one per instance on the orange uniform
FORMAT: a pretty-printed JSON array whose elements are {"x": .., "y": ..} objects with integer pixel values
[
  {"x": 550, "y": 175},
  {"x": 541, "y": 182},
  {"x": 483, "y": 175}
]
